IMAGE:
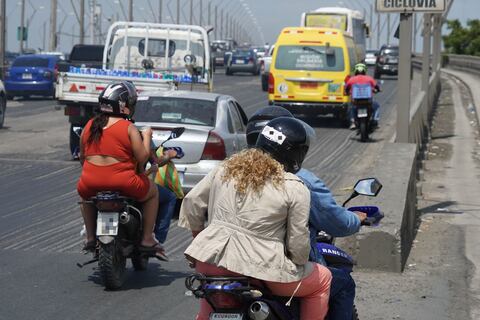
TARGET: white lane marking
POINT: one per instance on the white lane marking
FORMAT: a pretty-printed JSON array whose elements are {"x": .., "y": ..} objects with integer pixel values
[{"x": 53, "y": 173}]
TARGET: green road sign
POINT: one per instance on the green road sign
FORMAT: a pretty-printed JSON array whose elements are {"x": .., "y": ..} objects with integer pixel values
[{"x": 21, "y": 34}]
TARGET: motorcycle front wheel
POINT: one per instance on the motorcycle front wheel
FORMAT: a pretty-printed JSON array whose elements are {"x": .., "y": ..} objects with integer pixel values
[{"x": 112, "y": 265}]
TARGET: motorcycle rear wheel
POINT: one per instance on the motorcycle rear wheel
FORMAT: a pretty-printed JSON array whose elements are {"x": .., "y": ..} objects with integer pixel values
[
  {"x": 355, "y": 313},
  {"x": 112, "y": 265},
  {"x": 363, "y": 130}
]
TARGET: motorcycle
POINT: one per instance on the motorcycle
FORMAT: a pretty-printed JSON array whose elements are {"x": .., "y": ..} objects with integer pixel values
[
  {"x": 362, "y": 102},
  {"x": 243, "y": 298},
  {"x": 119, "y": 232}
]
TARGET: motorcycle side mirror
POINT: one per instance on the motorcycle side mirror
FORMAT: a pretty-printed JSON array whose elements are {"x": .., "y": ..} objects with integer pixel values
[{"x": 366, "y": 187}]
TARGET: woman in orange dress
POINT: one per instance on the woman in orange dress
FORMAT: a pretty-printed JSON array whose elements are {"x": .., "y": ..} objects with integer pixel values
[{"x": 111, "y": 150}]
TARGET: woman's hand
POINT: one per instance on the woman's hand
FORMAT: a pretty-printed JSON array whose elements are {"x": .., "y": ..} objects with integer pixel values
[
  {"x": 361, "y": 215},
  {"x": 170, "y": 154},
  {"x": 146, "y": 132}
]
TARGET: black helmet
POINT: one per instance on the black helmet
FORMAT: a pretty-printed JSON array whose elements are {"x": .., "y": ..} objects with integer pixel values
[
  {"x": 118, "y": 95},
  {"x": 286, "y": 140},
  {"x": 260, "y": 118}
]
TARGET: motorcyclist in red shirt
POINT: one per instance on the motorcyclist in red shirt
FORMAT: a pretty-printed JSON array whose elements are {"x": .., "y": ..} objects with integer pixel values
[{"x": 361, "y": 77}]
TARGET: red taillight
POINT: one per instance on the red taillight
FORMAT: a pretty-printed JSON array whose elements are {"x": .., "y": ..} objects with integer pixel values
[
  {"x": 214, "y": 148},
  {"x": 222, "y": 300},
  {"x": 72, "y": 111},
  {"x": 271, "y": 83},
  {"x": 381, "y": 60},
  {"x": 47, "y": 74},
  {"x": 55, "y": 72}
]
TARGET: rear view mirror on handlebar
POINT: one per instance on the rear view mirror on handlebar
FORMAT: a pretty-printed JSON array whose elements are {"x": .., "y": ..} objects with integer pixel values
[{"x": 368, "y": 187}]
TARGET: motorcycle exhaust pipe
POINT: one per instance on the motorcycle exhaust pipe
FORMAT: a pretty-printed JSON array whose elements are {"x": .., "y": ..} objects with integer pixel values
[
  {"x": 259, "y": 310},
  {"x": 124, "y": 217}
]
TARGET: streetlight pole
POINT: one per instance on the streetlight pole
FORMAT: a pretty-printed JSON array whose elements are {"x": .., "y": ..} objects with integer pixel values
[
  {"x": 160, "y": 11},
  {"x": 22, "y": 25},
  {"x": 130, "y": 10},
  {"x": 3, "y": 7},
  {"x": 53, "y": 25},
  {"x": 178, "y": 11},
  {"x": 82, "y": 21}
]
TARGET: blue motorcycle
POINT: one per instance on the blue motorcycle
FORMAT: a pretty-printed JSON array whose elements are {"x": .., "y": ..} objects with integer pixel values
[{"x": 243, "y": 298}]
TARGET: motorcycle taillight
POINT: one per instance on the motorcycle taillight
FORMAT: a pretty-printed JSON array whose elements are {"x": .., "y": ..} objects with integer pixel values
[
  {"x": 110, "y": 205},
  {"x": 224, "y": 300}
]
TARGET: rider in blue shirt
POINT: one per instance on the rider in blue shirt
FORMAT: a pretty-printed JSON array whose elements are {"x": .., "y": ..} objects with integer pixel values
[{"x": 325, "y": 215}]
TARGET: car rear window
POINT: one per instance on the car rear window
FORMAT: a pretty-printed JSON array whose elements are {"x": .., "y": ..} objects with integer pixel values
[
  {"x": 242, "y": 53},
  {"x": 87, "y": 53},
  {"x": 176, "y": 110},
  {"x": 313, "y": 58},
  {"x": 30, "y": 62}
]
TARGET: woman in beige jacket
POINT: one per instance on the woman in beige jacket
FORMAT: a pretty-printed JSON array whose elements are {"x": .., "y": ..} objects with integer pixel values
[{"x": 257, "y": 227}]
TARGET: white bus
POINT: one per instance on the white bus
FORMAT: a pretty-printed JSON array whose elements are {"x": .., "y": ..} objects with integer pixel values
[{"x": 352, "y": 22}]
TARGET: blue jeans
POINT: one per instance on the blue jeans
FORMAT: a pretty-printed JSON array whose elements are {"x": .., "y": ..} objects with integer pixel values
[
  {"x": 166, "y": 207},
  {"x": 376, "y": 113},
  {"x": 342, "y": 295}
]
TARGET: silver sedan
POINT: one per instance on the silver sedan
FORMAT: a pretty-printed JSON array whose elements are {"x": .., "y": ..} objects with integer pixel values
[{"x": 214, "y": 124}]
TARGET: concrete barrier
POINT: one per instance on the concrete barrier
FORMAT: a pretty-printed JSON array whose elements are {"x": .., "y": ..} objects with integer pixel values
[{"x": 387, "y": 246}]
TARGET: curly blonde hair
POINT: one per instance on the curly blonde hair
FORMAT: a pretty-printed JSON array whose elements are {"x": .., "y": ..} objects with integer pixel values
[{"x": 252, "y": 169}]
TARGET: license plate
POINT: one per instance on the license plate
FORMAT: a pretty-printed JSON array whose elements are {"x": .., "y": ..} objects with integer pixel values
[
  {"x": 219, "y": 59},
  {"x": 229, "y": 316},
  {"x": 107, "y": 224},
  {"x": 27, "y": 76},
  {"x": 362, "y": 113},
  {"x": 393, "y": 60},
  {"x": 239, "y": 62},
  {"x": 308, "y": 85}
]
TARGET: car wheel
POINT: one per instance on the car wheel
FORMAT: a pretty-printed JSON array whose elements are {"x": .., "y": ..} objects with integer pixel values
[{"x": 3, "y": 108}]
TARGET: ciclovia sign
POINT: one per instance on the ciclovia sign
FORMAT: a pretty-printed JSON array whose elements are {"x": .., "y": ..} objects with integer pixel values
[{"x": 408, "y": 6}]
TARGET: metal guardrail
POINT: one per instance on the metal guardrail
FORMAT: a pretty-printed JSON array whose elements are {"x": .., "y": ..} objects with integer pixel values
[{"x": 463, "y": 62}]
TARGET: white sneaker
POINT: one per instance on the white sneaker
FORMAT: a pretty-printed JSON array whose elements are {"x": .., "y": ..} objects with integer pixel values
[{"x": 352, "y": 126}]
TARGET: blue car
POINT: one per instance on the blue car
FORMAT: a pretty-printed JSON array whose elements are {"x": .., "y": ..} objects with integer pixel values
[
  {"x": 242, "y": 60},
  {"x": 33, "y": 74}
]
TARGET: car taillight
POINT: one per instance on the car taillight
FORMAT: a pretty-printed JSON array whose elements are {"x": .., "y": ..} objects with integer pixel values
[
  {"x": 381, "y": 60},
  {"x": 214, "y": 148},
  {"x": 223, "y": 300},
  {"x": 271, "y": 83}
]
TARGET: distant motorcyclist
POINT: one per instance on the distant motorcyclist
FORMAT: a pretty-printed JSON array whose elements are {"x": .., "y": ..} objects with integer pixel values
[
  {"x": 258, "y": 213},
  {"x": 361, "y": 77},
  {"x": 325, "y": 215}
]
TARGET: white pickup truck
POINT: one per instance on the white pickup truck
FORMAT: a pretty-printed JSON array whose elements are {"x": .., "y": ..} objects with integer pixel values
[
  {"x": 265, "y": 62},
  {"x": 152, "y": 56}
]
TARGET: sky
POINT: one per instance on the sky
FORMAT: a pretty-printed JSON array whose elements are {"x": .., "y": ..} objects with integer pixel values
[{"x": 270, "y": 16}]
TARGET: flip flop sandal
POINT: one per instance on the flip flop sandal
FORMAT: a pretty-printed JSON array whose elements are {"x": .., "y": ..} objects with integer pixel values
[{"x": 155, "y": 250}]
